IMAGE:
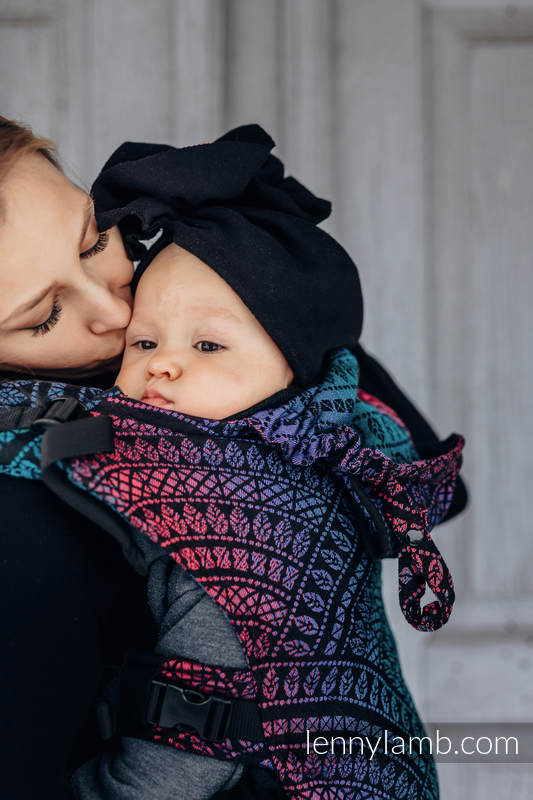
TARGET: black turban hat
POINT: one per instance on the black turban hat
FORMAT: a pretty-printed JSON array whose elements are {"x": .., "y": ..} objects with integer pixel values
[{"x": 229, "y": 204}]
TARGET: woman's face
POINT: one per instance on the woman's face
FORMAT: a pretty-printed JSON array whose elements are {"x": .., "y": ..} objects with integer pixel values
[{"x": 64, "y": 288}]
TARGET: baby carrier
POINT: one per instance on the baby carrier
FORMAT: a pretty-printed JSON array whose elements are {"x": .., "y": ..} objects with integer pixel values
[{"x": 282, "y": 516}]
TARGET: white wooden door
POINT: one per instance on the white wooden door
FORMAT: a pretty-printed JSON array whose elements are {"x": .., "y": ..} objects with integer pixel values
[{"x": 416, "y": 118}]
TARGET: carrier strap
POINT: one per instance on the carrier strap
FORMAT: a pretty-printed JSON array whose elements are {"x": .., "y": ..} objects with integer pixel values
[
  {"x": 81, "y": 437},
  {"x": 140, "y": 700},
  {"x": 69, "y": 431},
  {"x": 61, "y": 409}
]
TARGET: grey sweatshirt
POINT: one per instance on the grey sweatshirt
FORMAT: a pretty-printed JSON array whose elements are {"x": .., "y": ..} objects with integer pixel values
[{"x": 191, "y": 625}]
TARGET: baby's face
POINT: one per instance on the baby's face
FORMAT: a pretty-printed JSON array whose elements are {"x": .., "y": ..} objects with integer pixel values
[{"x": 193, "y": 346}]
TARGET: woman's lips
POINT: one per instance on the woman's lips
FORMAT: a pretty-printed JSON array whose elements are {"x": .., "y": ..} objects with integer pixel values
[{"x": 155, "y": 399}]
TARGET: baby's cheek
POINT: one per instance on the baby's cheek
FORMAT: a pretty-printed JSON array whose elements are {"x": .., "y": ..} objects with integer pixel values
[{"x": 128, "y": 379}]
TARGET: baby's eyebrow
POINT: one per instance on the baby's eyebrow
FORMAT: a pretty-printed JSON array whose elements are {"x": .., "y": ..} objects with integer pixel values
[{"x": 217, "y": 311}]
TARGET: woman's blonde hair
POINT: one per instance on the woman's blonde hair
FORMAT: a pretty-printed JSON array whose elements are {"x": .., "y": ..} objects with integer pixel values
[{"x": 16, "y": 139}]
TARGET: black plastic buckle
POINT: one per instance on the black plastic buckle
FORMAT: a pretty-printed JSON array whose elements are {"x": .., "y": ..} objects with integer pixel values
[
  {"x": 187, "y": 710},
  {"x": 62, "y": 409}
]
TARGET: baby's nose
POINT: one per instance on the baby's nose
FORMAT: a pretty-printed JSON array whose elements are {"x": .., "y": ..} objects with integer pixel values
[{"x": 164, "y": 365}]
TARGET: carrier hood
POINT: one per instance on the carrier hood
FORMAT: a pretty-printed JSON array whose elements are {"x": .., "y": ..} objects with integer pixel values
[{"x": 400, "y": 495}]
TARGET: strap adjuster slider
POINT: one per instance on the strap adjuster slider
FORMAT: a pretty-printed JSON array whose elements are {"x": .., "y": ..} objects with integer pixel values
[
  {"x": 62, "y": 409},
  {"x": 172, "y": 706}
]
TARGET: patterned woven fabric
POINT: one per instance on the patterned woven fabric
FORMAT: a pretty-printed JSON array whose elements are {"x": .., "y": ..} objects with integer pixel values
[{"x": 267, "y": 513}]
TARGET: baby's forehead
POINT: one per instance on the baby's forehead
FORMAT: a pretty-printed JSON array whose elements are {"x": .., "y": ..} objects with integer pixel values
[
  {"x": 178, "y": 280},
  {"x": 176, "y": 300}
]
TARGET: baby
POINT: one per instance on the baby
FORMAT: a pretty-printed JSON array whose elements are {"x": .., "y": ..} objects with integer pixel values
[{"x": 192, "y": 344}]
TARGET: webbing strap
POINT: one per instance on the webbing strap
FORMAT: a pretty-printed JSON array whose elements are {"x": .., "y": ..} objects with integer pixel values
[
  {"x": 147, "y": 701},
  {"x": 80, "y": 437},
  {"x": 16, "y": 418}
]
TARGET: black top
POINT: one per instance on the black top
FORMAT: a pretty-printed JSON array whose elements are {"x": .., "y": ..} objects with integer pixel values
[{"x": 71, "y": 605}]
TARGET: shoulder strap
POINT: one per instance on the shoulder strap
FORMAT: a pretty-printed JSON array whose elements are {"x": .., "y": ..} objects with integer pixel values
[
  {"x": 81, "y": 437},
  {"x": 69, "y": 431}
]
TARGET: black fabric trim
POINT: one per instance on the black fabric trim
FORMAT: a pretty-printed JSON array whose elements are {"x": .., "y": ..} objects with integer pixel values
[{"x": 274, "y": 400}]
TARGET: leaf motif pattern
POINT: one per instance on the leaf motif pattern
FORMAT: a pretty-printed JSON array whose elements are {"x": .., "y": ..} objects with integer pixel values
[
  {"x": 314, "y": 601},
  {"x": 332, "y": 559},
  {"x": 255, "y": 460},
  {"x": 323, "y": 579},
  {"x": 282, "y": 535},
  {"x": 346, "y": 683},
  {"x": 212, "y": 453},
  {"x": 311, "y": 682},
  {"x": 291, "y": 683},
  {"x": 296, "y": 648},
  {"x": 301, "y": 542},
  {"x": 239, "y": 522},
  {"x": 190, "y": 452},
  {"x": 233, "y": 455},
  {"x": 330, "y": 681},
  {"x": 270, "y": 684},
  {"x": 307, "y": 625},
  {"x": 217, "y": 519},
  {"x": 261, "y": 527}
]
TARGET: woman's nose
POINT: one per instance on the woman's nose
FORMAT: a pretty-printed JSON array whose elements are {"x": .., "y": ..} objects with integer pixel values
[
  {"x": 163, "y": 365},
  {"x": 110, "y": 312}
]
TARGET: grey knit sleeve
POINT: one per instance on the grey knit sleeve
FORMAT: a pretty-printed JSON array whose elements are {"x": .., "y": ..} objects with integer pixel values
[{"x": 190, "y": 625}]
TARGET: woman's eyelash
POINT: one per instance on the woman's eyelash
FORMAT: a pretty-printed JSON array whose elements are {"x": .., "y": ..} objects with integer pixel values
[
  {"x": 49, "y": 323},
  {"x": 98, "y": 246}
]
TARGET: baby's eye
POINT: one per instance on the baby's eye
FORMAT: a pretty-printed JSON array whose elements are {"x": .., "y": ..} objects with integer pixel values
[
  {"x": 145, "y": 344},
  {"x": 211, "y": 347}
]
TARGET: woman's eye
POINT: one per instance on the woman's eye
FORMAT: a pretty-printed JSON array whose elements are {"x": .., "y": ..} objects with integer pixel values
[
  {"x": 145, "y": 344},
  {"x": 49, "y": 323},
  {"x": 100, "y": 245},
  {"x": 211, "y": 347}
]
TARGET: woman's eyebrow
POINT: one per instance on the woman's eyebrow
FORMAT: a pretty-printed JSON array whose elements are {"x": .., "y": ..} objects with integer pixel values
[{"x": 88, "y": 214}]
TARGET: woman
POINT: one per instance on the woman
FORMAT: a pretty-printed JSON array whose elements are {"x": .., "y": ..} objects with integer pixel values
[
  {"x": 64, "y": 304},
  {"x": 73, "y": 605}
]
